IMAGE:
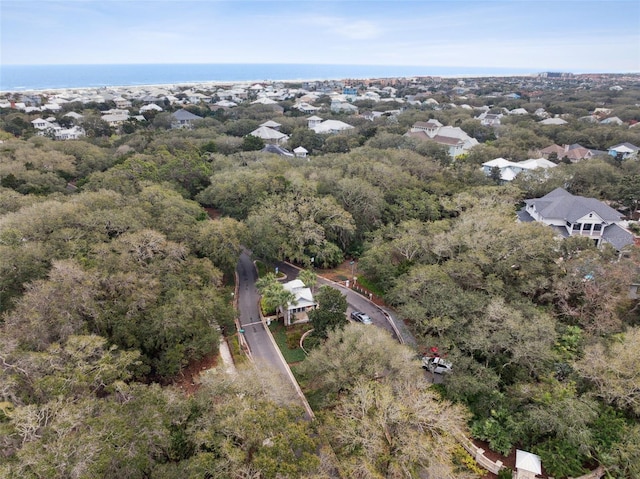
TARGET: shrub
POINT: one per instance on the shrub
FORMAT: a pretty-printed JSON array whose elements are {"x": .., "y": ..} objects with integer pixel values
[
  {"x": 464, "y": 460},
  {"x": 505, "y": 473}
]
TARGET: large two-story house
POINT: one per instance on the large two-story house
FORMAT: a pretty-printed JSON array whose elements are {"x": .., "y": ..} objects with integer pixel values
[{"x": 571, "y": 215}]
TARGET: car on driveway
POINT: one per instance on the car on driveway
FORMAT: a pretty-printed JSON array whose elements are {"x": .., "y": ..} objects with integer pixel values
[{"x": 360, "y": 317}]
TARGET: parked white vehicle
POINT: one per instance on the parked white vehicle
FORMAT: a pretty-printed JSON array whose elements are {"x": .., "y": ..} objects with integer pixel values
[
  {"x": 361, "y": 317},
  {"x": 436, "y": 364}
]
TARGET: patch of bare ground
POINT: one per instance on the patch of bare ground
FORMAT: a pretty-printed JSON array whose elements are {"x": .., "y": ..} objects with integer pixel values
[
  {"x": 339, "y": 273},
  {"x": 509, "y": 461},
  {"x": 213, "y": 213},
  {"x": 189, "y": 378}
]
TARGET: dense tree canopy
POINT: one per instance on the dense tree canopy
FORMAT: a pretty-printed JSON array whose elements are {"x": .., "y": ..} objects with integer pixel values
[{"x": 113, "y": 279}]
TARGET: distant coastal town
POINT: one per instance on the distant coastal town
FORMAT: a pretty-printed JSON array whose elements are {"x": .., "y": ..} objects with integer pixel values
[{"x": 59, "y": 113}]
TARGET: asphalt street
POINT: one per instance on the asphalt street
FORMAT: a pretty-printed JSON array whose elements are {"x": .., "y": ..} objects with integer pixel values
[
  {"x": 262, "y": 350},
  {"x": 355, "y": 302}
]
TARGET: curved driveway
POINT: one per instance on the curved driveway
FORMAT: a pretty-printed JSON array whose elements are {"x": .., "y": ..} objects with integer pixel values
[{"x": 356, "y": 302}]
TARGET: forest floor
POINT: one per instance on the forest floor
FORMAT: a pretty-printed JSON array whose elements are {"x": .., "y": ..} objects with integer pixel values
[
  {"x": 341, "y": 272},
  {"x": 189, "y": 378}
]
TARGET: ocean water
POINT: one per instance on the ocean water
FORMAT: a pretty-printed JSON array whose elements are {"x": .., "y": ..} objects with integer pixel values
[{"x": 42, "y": 77}]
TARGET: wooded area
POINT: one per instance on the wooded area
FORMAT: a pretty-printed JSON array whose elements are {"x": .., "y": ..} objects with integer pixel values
[{"x": 113, "y": 278}]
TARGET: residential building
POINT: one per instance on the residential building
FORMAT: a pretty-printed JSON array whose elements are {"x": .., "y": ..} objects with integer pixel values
[
  {"x": 183, "y": 119},
  {"x": 313, "y": 121},
  {"x": 454, "y": 139},
  {"x": 338, "y": 106},
  {"x": 307, "y": 108},
  {"x": 489, "y": 119},
  {"x": 575, "y": 152},
  {"x": 272, "y": 124},
  {"x": 296, "y": 311},
  {"x": 116, "y": 119},
  {"x": 73, "y": 133},
  {"x": 329, "y": 126},
  {"x": 300, "y": 152},
  {"x": 121, "y": 103},
  {"x": 40, "y": 124},
  {"x": 269, "y": 135},
  {"x": 571, "y": 215},
  {"x": 553, "y": 121},
  {"x": 76, "y": 116},
  {"x": 509, "y": 170},
  {"x": 150, "y": 107},
  {"x": 613, "y": 120},
  {"x": 277, "y": 150},
  {"x": 624, "y": 150},
  {"x": 528, "y": 465}
]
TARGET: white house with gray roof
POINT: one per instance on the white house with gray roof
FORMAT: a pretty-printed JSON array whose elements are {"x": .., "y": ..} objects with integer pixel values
[
  {"x": 269, "y": 135},
  {"x": 453, "y": 138},
  {"x": 296, "y": 311},
  {"x": 571, "y": 215},
  {"x": 625, "y": 150},
  {"x": 183, "y": 119}
]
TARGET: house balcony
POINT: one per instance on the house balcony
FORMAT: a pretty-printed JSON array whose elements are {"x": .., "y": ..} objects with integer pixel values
[{"x": 587, "y": 233}]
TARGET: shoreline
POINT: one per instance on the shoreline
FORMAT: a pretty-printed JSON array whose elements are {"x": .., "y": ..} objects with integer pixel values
[
  {"x": 220, "y": 83},
  {"x": 44, "y": 78},
  {"x": 229, "y": 83},
  {"x": 214, "y": 84}
]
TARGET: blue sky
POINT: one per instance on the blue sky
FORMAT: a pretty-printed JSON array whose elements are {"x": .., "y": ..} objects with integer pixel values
[{"x": 564, "y": 35}]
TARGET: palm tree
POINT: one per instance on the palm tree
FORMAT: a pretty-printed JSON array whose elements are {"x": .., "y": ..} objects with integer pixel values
[
  {"x": 274, "y": 295},
  {"x": 283, "y": 298},
  {"x": 308, "y": 277}
]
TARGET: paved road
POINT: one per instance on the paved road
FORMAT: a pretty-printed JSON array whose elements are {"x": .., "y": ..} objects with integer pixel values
[
  {"x": 262, "y": 349},
  {"x": 355, "y": 302}
]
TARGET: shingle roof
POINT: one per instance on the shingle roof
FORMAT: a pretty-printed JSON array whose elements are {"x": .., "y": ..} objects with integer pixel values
[
  {"x": 267, "y": 133},
  {"x": 617, "y": 236},
  {"x": 271, "y": 124},
  {"x": 563, "y": 205},
  {"x": 446, "y": 140},
  {"x": 553, "y": 149},
  {"x": 524, "y": 217},
  {"x": 626, "y": 144},
  {"x": 276, "y": 149},
  {"x": 182, "y": 115}
]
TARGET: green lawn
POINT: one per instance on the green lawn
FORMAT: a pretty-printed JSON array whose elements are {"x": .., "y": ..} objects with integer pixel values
[
  {"x": 370, "y": 286},
  {"x": 281, "y": 334},
  {"x": 262, "y": 269},
  {"x": 239, "y": 356}
]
